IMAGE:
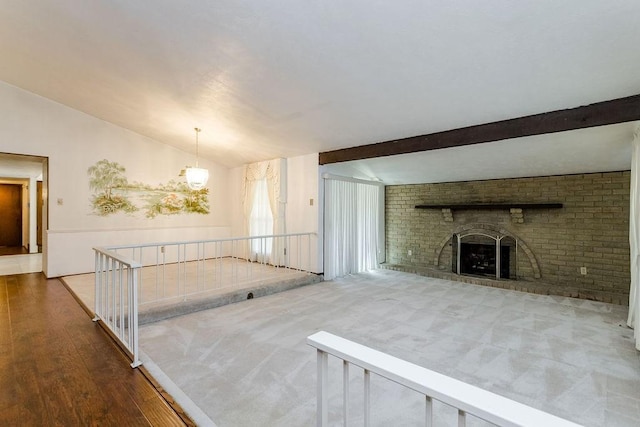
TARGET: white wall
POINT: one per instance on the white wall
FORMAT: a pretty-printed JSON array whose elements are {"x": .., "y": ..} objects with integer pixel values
[
  {"x": 236, "y": 176},
  {"x": 301, "y": 215},
  {"x": 302, "y": 187},
  {"x": 74, "y": 141}
]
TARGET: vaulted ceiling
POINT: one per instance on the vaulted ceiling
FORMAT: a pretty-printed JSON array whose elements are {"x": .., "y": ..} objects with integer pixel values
[{"x": 280, "y": 78}]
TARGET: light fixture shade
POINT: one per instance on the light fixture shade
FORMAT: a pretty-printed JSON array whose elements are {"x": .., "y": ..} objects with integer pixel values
[{"x": 197, "y": 178}]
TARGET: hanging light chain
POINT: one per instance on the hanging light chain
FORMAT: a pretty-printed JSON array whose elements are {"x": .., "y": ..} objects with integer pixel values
[{"x": 197, "y": 152}]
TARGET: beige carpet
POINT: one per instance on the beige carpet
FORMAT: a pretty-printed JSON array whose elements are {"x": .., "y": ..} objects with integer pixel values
[{"x": 247, "y": 364}]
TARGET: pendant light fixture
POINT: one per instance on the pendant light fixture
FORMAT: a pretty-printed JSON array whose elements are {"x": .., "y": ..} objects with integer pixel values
[{"x": 197, "y": 177}]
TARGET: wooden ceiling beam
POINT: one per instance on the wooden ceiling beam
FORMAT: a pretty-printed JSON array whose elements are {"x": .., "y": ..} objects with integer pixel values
[{"x": 599, "y": 114}]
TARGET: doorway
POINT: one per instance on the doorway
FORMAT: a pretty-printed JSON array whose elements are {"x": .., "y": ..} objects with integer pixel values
[
  {"x": 10, "y": 218},
  {"x": 22, "y": 213}
]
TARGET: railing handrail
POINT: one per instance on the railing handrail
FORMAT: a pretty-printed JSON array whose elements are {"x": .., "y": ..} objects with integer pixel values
[
  {"x": 187, "y": 242},
  {"x": 481, "y": 403},
  {"x": 108, "y": 251}
]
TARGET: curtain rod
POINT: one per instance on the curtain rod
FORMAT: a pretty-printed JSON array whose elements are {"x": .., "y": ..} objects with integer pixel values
[{"x": 350, "y": 179}]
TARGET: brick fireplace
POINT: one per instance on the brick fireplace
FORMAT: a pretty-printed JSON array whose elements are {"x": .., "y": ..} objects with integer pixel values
[{"x": 562, "y": 235}]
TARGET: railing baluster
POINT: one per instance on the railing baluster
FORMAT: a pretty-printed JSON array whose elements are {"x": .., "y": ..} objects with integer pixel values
[
  {"x": 234, "y": 270},
  {"x": 323, "y": 380},
  {"x": 131, "y": 310},
  {"x": 112, "y": 287},
  {"x": 367, "y": 398},
  {"x": 203, "y": 266},
  {"x": 345, "y": 392},
  {"x": 248, "y": 255},
  {"x": 116, "y": 301},
  {"x": 141, "y": 296},
  {"x": 184, "y": 274},
  {"x": 428, "y": 413},
  {"x": 287, "y": 255},
  {"x": 299, "y": 259},
  {"x": 104, "y": 285},
  {"x": 157, "y": 268},
  {"x": 308, "y": 253},
  {"x": 178, "y": 272},
  {"x": 219, "y": 251},
  {"x": 164, "y": 271},
  {"x": 296, "y": 262},
  {"x": 133, "y": 320},
  {"x": 279, "y": 251},
  {"x": 96, "y": 280},
  {"x": 197, "y": 266},
  {"x": 221, "y": 275},
  {"x": 107, "y": 283},
  {"x": 121, "y": 297},
  {"x": 462, "y": 418}
]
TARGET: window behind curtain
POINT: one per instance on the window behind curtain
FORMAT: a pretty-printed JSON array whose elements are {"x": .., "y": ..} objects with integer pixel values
[
  {"x": 261, "y": 223},
  {"x": 352, "y": 224}
]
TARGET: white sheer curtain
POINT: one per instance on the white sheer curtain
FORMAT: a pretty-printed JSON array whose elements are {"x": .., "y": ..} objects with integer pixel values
[
  {"x": 634, "y": 240},
  {"x": 352, "y": 221},
  {"x": 261, "y": 223},
  {"x": 273, "y": 172}
]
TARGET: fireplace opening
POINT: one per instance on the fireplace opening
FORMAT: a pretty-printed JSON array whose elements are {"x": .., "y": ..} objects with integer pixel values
[
  {"x": 479, "y": 254},
  {"x": 480, "y": 260}
]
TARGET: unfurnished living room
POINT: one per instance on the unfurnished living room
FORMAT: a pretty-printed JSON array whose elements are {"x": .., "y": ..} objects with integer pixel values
[{"x": 285, "y": 213}]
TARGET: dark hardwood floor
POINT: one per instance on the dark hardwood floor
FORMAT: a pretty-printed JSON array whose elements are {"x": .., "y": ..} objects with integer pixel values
[
  {"x": 57, "y": 367},
  {"x": 13, "y": 250}
]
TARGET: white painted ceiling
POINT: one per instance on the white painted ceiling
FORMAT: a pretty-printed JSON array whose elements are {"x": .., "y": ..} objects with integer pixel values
[
  {"x": 602, "y": 149},
  {"x": 280, "y": 78}
]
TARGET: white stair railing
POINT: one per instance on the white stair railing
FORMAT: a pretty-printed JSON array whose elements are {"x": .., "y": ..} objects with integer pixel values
[
  {"x": 175, "y": 271},
  {"x": 466, "y": 398},
  {"x": 178, "y": 270},
  {"x": 116, "y": 298}
]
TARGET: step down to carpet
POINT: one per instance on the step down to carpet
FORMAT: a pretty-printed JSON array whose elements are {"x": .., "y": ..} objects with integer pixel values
[{"x": 157, "y": 312}]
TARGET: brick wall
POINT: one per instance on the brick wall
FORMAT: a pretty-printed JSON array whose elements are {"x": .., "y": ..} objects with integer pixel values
[{"x": 591, "y": 230}]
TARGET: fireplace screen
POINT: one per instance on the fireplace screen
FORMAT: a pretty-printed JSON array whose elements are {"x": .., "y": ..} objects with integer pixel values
[{"x": 484, "y": 255}]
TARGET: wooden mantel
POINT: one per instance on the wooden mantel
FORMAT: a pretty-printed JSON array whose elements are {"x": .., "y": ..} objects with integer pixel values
[
  {"x": 515, "y": 209},
  {"x": 468, "y": 206}
]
